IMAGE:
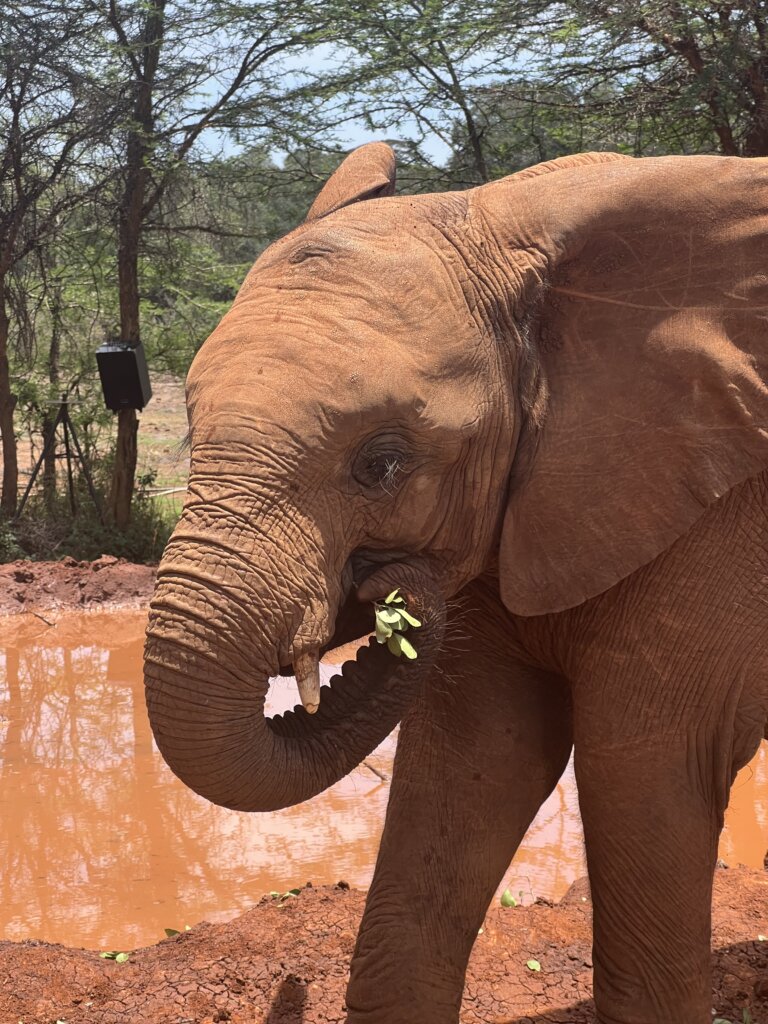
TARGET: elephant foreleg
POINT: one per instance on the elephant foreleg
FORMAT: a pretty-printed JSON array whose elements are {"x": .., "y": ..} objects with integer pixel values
[{"x": 478, "y": 754}]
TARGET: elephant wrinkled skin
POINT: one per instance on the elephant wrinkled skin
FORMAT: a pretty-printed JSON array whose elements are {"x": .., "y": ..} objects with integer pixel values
[{"x": 539, "y": 408}]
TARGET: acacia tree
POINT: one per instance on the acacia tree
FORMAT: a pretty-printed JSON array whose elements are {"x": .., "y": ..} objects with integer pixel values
[
  {"x": 527, "y": 122},
  {"x": 688, "y": 76},
  {"x": 50, "y": 115},
  {"x": 417, "y": 68},
  {"x": 187, "y": 71}
]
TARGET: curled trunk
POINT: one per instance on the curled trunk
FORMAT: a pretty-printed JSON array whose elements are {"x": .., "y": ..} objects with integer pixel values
[{"x": 206, "y": 694}]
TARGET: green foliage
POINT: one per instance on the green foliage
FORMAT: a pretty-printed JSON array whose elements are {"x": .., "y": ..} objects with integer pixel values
[
  {"x": 392, "y": 620},
  {"x": 48, "y": 530},
  {"x": 10, "y": 549},
  {"x": 688, "y": 77},
  {"x": 240, "y": 140},
  {"x": 533, "y": 965}
]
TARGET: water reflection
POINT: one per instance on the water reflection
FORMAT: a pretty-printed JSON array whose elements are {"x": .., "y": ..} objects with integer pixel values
[{"x": 101, "y": 846}]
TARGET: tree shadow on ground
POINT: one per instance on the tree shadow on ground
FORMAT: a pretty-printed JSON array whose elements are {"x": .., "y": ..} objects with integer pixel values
[{"x": 289, "y": 1003}]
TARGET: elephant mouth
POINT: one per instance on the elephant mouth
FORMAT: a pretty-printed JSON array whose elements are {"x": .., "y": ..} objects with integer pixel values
[
  {"x": 346, "y": 688},
  {"x": 354, "y": 619}
]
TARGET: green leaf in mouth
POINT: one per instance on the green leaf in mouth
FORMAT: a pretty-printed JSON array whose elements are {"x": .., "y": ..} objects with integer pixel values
[{"x": 393, "y": 620}]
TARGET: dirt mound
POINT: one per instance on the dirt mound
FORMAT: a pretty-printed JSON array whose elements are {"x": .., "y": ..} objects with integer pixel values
[
  {"x": 37, "y": 586},
  {"x": 286, "y": 963}
]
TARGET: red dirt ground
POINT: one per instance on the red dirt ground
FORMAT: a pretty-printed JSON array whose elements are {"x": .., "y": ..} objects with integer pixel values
[
  {"x": 286, "y": 964},
  {"x": 109, "y": 581}
]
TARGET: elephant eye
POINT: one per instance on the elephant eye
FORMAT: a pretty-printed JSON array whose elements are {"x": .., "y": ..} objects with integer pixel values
[{"x": 382, "y": 463}]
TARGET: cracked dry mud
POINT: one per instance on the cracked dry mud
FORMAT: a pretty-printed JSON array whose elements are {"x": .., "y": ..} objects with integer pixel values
[{"x": 287, "y": 963}]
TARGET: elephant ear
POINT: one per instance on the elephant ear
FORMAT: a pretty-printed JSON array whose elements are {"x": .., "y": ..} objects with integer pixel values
[
  {"x": 644, "y": 283},
  {"x": 368, "y": 172}
]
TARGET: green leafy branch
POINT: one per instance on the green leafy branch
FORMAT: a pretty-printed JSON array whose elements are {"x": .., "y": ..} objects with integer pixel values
[{"x": 393, "y": 620}]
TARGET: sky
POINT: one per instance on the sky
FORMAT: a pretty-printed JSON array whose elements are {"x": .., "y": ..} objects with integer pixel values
[{"x": 354, "y": 133}]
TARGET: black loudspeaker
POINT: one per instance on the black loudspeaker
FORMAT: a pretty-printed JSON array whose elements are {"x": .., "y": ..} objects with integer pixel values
[{"x": 124, "y": 376}]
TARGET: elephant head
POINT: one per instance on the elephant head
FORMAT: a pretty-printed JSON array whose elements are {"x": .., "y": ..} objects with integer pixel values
[{"x": 548, "y": 378}]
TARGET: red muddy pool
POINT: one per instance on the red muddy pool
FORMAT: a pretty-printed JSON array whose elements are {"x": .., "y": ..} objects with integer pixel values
[{"x": 101, "y": 846}]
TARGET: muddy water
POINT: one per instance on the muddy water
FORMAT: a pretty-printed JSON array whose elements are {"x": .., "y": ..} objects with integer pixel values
[{"x": 101, "y": 846}]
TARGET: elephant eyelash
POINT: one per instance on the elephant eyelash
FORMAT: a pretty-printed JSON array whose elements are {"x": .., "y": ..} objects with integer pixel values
[
  {"x": 393, "y": 468},
  {"x": 184, "y": 446},
  {"x": 380, "y": 469}
]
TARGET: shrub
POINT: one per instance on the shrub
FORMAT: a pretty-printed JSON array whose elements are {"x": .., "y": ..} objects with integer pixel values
[{"x": 49, "y": 530}]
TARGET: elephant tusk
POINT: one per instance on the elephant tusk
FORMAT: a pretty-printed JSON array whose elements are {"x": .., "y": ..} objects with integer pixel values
[{"x": 307, "y": 669}]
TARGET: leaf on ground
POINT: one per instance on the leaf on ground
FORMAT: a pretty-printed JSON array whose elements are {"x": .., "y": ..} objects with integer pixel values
[
  {"x": 533, "y": 965},
  {"x": 114, "y": 954},
  {"x": 170, "y": 932},
  {"x": 507, "y": 899}
]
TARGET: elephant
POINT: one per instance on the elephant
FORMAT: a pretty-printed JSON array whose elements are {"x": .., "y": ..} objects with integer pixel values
[{"x": 538, "y": 409}]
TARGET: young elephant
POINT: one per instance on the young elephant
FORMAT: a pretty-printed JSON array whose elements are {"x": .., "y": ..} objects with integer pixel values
[{"x": 547, "y": 396}]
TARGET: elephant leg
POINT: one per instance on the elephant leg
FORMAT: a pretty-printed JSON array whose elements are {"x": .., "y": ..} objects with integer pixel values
[
  {"x": 669, "y": 675},
  {"x": 477, "y": 755},
  {"x": 651, "y": 835}
]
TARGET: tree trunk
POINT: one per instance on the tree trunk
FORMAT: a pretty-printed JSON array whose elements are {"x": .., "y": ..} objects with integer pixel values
[
  {"x": 756, "y": 143},
  {"x": 126, "y": 451},
  {"x": 124, "y": 471},
  {"x": 49, "y": 464},
  {"x": 54, "y": 353},
  {"x": 10, "y": 487},
  {"x": 129, "y": 232},
  {"x": 130, "y": 224}
]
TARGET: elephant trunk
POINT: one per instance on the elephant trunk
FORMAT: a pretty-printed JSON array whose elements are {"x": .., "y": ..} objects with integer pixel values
[{"x": 207, "y": 667}]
